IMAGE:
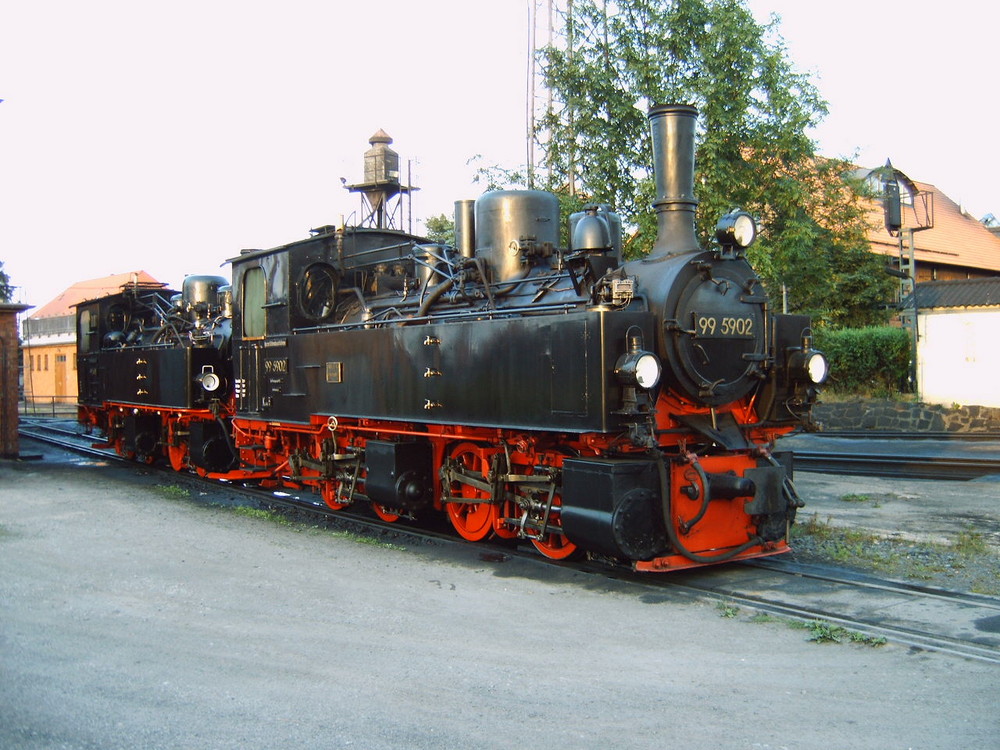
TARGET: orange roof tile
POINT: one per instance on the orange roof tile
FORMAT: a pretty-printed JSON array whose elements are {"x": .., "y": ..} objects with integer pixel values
[
  {"x": 92, "y": 289},
  {"x": 956, "y": 239}
]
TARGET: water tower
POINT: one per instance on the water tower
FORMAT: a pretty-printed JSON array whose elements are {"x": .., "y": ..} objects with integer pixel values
[{"x": 381, "y": 192}]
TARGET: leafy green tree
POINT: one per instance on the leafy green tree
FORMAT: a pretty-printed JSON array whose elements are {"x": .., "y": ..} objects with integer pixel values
[
  {"x": 440, "y": 229},
  {"x": 6, "y": 290},
  {"x": 752, "y": 152}
]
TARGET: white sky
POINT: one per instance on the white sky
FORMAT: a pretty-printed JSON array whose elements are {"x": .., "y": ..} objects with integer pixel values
[{"x": 167, "y": 136}]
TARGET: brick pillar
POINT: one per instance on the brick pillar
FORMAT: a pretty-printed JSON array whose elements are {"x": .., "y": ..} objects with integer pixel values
[{"x": 8, "y": 379}]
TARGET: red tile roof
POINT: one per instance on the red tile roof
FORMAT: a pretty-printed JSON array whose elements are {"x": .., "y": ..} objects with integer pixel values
[{"x": 84, "y": 290}]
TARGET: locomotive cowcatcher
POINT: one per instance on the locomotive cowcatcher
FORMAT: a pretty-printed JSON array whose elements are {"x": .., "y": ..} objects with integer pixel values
[{"x": 526, "y": 389}]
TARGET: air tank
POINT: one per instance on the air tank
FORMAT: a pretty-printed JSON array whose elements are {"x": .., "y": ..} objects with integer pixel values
[
  {"x": 203, "y": 289},
  {"x": 504, "y": 219}
]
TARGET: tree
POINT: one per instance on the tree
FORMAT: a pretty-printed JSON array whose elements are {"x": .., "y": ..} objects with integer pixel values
[
  {"x": 752, "y": 152},
  {"x": 6, "y": 290},
  {"x": 440, "y": 229}
]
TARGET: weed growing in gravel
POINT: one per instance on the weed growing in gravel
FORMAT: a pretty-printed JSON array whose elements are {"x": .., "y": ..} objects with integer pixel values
[
  {"x": 262, "y": 515},
  {"x": 825, "y": 632},
  {"x": 852, "y": 498},
  {"x": 173, "y": 491},
  {"x": 283, "y": 520},
  {"x": 363, "y": 539},
  {"x": 970, "y": 542},
  {"x": 727, "y": 610},
  {"x": 867, "y": 640},
  {"x": 968, "y": 563},
  {"x": 874, "y": 500},
  {"x": 819, "y": 630}
]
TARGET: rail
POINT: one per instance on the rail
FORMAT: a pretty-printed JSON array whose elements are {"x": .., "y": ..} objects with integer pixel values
[{"x": 896, "y": 466}]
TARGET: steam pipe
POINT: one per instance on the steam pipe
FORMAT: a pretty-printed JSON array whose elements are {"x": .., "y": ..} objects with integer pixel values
[{"x": 672, "y": 130}]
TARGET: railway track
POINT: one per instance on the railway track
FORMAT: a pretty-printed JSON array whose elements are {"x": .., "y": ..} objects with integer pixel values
[
  {"x": 896, "y": 466},
  {"x": 971, "y": 437},
  {"x": 921, "y": 617},
  {"x": 918, "y": 616}
]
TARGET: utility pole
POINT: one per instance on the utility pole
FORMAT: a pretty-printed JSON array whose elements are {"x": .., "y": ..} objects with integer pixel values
[{"x": 529, "y": 97}]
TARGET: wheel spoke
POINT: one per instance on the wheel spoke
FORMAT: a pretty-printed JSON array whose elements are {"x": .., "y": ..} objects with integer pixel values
[
  {"x": 473, "y": 521},
  {"x": 552, "y": 542}
]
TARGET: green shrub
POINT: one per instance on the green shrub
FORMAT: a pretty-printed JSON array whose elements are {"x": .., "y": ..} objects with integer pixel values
[{"x": 872, "y": 361}]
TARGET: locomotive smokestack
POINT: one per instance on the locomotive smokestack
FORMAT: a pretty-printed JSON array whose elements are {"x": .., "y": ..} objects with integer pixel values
[{"x": 672, "y": 127}]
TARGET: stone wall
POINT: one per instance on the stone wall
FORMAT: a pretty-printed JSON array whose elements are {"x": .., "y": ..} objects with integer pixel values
[{"x": 896, "y": 416}]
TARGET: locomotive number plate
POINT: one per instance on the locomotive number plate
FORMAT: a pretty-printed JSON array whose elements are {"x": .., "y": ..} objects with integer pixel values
[
  {"x": 724, "y": 326},
  {"x": 276, "y": 366}
]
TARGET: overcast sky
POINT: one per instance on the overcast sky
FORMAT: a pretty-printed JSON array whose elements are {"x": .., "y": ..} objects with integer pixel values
[{"x": 168, "y": 136}]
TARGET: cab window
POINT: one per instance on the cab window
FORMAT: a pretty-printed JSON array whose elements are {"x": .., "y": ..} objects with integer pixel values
[{"x": 254, "y": 298}]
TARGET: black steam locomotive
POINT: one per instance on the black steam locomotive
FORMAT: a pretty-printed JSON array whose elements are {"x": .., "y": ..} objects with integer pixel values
[{"x": 526, "y": 389}]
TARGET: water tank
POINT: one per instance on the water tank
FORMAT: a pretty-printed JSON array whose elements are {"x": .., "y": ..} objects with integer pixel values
[
  {"x": 381, "y": 162},
  {"x": 506, "y": 218}
]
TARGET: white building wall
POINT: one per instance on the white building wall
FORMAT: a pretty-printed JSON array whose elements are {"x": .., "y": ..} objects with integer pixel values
[{"x": 958, "y": 357}]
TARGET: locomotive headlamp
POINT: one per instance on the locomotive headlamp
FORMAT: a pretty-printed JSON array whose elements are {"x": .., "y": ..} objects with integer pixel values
[
  {"x": 808, "y": 363},
  {"x": 737, "y": 229},
  {"x": 637, "y": 367},
  {"x": 641, "y": 369},
  {"x": 817, "y": 367},
  {"x": 208, "y": 379}
]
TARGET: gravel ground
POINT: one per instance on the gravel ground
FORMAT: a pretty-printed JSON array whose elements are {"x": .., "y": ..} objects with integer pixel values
[
  {"x": 941, "y": 533},
  {"x": 135, "y": 617},
  {"x": 973, "y": 568}
]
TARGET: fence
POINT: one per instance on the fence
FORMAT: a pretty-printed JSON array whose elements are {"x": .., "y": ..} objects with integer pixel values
[{"x": 48, "y": 406}]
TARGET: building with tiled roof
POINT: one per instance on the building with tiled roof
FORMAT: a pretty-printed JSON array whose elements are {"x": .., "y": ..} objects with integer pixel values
[
  {"x": 49, "y": 341},
  {"x": 62, "y": 305}
]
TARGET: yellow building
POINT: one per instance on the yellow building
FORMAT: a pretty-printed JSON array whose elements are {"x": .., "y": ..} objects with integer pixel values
[{"x": 49, "y": 344}]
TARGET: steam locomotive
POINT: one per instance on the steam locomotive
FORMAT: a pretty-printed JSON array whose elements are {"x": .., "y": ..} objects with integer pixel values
[{"x": 527, "y": 390}]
